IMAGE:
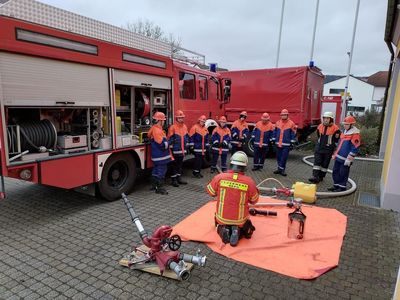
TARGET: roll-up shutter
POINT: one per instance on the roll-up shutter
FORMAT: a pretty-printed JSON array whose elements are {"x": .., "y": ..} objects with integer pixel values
[
  {"x": 142, "y": 80},
  {"x": 33, "y": 81}
]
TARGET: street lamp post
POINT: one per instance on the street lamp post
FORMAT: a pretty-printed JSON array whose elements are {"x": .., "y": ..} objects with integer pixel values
[{"x": 345, "y": 97}]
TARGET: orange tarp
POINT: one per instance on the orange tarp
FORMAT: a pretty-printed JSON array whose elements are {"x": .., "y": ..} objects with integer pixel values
[{"x": 270, "y": 248}]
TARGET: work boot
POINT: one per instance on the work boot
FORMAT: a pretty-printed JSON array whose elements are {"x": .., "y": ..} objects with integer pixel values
[
  {"x": 277, "y": 171},
  {"x": 213, "y": 170},
  {"x": 283, "y": 173},
  {"x": 234, "y": 240},
  {"x": 153, "y": 183},
  {"x": 174, "y": 182},
  {"x": 180, "y": 181},
  {"x": 331, "y": 189},
  {"x": 160, "y": 188},
  {"x": 224, "y": 233},
  {"x": 313, "y": 180},
  {"x": 255, "y": 168}
]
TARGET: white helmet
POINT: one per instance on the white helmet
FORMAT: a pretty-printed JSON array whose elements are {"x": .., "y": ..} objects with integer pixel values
[
  {"x": 328, "y": 114},
  {"x": 239, "y": 158}
]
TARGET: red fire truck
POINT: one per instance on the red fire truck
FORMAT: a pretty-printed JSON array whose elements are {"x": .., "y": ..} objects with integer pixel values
[
  {"x": 77, "y": 96},
  {"x": 298, "y": 89}
]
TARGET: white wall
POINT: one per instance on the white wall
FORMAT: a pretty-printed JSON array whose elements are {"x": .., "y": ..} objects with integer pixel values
[
  {"x": 360, "y": 91},
  {"x": 379, "y": 92}
]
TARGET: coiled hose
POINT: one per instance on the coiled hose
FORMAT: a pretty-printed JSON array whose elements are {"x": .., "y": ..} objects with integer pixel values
[{"x": 35, "y": 136}]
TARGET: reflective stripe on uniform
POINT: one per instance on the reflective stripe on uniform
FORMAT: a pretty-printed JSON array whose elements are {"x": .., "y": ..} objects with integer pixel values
[
  {"x": 221, "y": 201},
  {"x": 241, "y": 205},
  {"x": 161, "y": 158},
  {"x": 209, "y": 187},
  {"x": 234, "y": 185}
]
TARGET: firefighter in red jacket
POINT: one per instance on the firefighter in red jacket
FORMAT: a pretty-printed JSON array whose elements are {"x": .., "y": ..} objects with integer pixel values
[
  {"x": 234, "y": 191},
  {"x": 160, "y": 154},
  {"x": 199, "y": 143},
  {"x": 262, "y": 136},
  {"x": 239, "y": 130},
  {"x": 178, "y": 139},
  {"x": 347, "y": 149},
  {"x": 284, "y": 139},
  {"x": 220, "y": 140},
  {"x": 328, "y": 136}
]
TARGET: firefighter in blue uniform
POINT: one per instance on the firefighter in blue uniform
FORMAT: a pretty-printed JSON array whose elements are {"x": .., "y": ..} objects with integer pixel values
[
  {"x": 199, "y": 142},
  {"x": 347, "y": 149},
  {"x": 284, "y": 139},
  {"x": 178, "y": 138},
  {"x": 240, "y": 131},
  {"x": 160, "y": 154},
  {"x": 262, "y": 136},
  {"x": 220, "y": 140}
]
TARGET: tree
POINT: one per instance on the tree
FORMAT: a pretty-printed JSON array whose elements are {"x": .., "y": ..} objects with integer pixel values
[{"x": 151, "y": 30}]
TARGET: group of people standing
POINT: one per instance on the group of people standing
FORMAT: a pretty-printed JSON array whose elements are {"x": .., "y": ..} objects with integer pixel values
[{"x": 173, "y": 147}]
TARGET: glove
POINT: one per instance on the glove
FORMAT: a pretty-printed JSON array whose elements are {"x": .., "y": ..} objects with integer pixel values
[
  {"x": 225, "y": 144},
  {"x": 166, "y": 145},
  {"x": 349, "y": 160},
  {"x": 272, "y": 142}
]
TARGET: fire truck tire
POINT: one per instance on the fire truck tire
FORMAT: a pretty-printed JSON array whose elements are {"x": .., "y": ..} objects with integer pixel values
[
  {"x": 248, "y": 147},
  {"x": 119, "y": 175}
]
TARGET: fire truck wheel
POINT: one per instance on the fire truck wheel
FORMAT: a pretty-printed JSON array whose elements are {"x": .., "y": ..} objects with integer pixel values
[
  {"x": 119, "y": 175},
  {"x": 248, "y": 147}
]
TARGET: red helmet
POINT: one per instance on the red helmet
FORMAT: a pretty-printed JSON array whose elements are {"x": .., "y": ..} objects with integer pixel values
[
  {"x": 179, "y": 114},
  {"x": 222, "y": 119},
  {"x": 159, "y": 116},
  {"x": 265, "y": 116},
  {"x": 349, "y": 120},
  {"x": 284, "y": 112},
  {"x": 203, "y": 118},
  {"x": 243, "y": 113}
]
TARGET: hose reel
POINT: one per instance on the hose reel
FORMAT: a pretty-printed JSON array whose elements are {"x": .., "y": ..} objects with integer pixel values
[{"x": 34, "y": 136}]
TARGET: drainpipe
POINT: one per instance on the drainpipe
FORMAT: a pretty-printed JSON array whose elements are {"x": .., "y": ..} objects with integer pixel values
[{"x": 378, "y": 141}]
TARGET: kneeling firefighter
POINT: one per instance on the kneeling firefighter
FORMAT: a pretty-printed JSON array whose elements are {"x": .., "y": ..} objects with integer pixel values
[
  {"x": 160, "y": 154},
  {"x": 234, "y": 191}
]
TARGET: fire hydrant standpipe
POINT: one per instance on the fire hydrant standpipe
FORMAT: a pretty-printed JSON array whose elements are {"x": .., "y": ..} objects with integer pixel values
[{"x": 158, "y": 244}]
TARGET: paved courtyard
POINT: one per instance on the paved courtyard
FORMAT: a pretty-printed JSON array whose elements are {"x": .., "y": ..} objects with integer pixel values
[{"x": 58, "y": 244}]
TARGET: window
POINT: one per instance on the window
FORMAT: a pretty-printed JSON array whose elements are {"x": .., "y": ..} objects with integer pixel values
[
  {"x": 203, "y": 88},
  {"x": 356, "y": 108},
  {"x": 187, "y": 85},
  {"x": 213, "y": 91},
  {"x": 143, "y": 60},
  {"x": 336, "y": 91},
  {"x": 53, "y": 41}
]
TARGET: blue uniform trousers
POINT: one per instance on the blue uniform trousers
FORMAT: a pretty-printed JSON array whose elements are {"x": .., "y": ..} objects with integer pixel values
[
  {"x": 214, "y": 162},
  {"x": 282, "y": 154},
  {"x": 159, "y": 170},
  {"x": 259, "y": 156},
  {"x": 340, "y": 174}
]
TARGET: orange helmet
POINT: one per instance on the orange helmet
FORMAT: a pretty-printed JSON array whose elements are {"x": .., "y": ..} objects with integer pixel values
[
  {"x": 222, "y": 119},
  {"x": 349, "y": 120},
  {"x": 159, "y": 116},
  {"x": 203, "y": 118},
  {"x": 265, "y": 116},
  {"x": 179, "y": 114},
  {"x": 243, "y": 113},
  {"x": 284, "y": 112}
]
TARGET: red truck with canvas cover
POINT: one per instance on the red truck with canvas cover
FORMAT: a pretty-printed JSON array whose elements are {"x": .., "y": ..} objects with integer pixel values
[{"x": 298, "y": 89}]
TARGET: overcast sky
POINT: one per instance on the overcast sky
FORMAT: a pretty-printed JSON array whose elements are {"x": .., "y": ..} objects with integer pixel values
[{"x": 239, "y": 34}]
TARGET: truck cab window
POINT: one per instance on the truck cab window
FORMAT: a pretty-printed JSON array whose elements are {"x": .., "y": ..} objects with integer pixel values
[
  {"x": 187, "y": 85},
  {"x": 203, "y": 88}
]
